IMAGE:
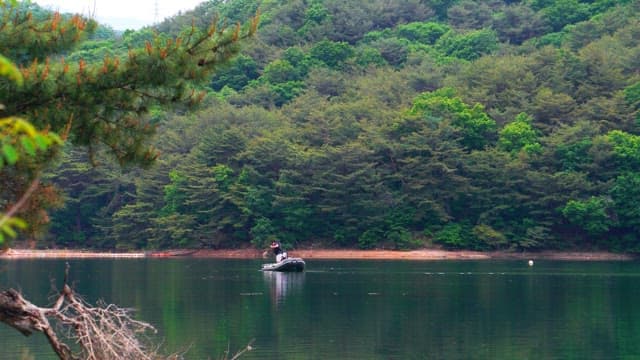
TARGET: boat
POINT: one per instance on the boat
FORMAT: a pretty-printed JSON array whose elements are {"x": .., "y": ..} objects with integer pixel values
[{"x": 288, "y": 265}]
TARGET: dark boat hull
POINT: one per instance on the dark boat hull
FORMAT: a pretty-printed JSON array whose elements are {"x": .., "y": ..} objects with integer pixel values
[{"x": 288, "y": 265}]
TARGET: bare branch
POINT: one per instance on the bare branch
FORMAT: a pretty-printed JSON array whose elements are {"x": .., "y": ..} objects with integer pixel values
[
  {"x": 105, "y": 331},
  {"x": 246, "y": 348},
  {"x": 18, "y": 205}
]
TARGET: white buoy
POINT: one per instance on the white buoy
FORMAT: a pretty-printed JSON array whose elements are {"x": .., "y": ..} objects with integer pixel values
[{"x": 530, "y": 262}]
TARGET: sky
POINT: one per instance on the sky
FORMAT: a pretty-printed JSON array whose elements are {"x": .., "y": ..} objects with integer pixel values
[{"x": 122, "y": 14}]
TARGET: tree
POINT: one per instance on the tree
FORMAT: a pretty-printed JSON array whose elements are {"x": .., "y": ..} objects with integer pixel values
[
  {"x": 279, "y": 72},
  {"x": 469, "y": 15},
  {"x": 94, "y": 105},
  {"x": 517, "y": 23},
  {"x": 551, "y": 108},
  {"x": 503, "y": 84},
  {"x": 632, "y": 97},
  {"x": 563, "y": 12},
  {"x": 626, "y": 149},
  {"x": 422, "y": 32},
  {"x": 519, "y": 135},
  {"x": 590, "y": 215},
  {"x": 301, "y": 116},
  {"x": 625, "y": 194},
  {"x": 237, "y": 74},
  {"x": 476, "y": 127},
  {"x": 440, "y": 7},
  {"x": 393, "y": 51},
  {"x": 331, "y": 53},
  {"x": 468, "y": 46},
  {"x": 93, "y": 194},
  {"x": 20, "y": 143}
]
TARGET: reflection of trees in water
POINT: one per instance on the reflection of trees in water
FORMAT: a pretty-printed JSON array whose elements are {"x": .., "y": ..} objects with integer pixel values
[{"x": 283, "y": 284}]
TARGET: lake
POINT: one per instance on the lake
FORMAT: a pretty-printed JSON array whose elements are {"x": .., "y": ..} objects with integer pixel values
[{"x": 356, "y": 309}]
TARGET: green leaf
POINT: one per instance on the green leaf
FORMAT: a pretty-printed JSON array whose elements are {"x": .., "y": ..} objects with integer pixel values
[
  {"x": 42, "y": 141},
  {"x": 28, "y": 145},
  {"x": 9, "y": 231},
  {"x": 8, "y": 69},
  {"x": 10, "y": 153},
  {"x": 19, "y": 223},
  {"x": 53, "y": 138},
  {"x": 7, "y": 227}
]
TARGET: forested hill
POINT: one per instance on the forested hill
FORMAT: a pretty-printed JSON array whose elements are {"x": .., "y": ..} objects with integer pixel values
[{"x": 397, "y": 124}]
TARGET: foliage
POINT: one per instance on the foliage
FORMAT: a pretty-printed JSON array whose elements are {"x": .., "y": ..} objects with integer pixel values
[
  {"x": 632, "y": 95},
  {"x": 95, "y": 103},
  {"x": 562, "y": 12},
  {"x": 454, "y": 236},
  {"x": 488, "y": 236},
  {"x": 480, "y": 125},
  {"x": 19, "y": 140},
  {"x": 625, "y": 195},
  {"x": 517, "y": 23},
  {"x": 263, "y": 233},
  {"x": 236, "y": 75},
  {"x": 331, "y": 53},
  {"x": 422, "y": 32},
  {"x": 519, "y": 135},
  {"x": 467, "y": 46},
  {"x": 20, "y": 143},
  {"x": 475, "y": 125},
  {"x": 591, "y": 215},
  {"x": 626, "y": 149},
  {"x": 9, "y": 70}
]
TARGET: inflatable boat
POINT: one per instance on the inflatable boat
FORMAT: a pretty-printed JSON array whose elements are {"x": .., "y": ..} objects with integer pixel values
[{"x": 288, "y": 264}]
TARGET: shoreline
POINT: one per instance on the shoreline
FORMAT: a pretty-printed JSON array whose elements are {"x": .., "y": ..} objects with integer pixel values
[{"x": 338, "y": 254}]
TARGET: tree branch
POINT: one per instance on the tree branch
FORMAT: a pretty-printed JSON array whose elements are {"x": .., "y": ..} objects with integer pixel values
[
  {"x": 16, "y": 207},
  {"x": 103, "y": 332}
]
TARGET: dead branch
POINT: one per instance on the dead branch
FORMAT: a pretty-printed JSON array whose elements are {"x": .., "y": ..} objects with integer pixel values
[
  {"x": 28, "y": 318},
  {"x": 242, "y": 351},
  {"x": 105, "y": 331},
  {"x": 102, "y": 332}
]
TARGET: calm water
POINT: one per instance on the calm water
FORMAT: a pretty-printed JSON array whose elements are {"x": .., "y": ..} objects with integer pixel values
[{"x": 358, "y": 309}]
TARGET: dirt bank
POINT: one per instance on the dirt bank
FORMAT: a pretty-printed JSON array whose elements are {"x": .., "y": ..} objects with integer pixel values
[
  {"x": 423, "y": 254},
  {"x": 64, "y": 254},
  {"x": 351, "y": 254}
]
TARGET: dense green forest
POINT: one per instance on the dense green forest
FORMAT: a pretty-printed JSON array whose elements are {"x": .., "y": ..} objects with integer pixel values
[
  {"x": 481, "y": 125},
  {"x": 50, "y": 96}
]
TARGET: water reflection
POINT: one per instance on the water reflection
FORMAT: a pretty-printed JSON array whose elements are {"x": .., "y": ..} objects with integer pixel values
[
  {"x": 377, "y": 310},
  {"x": 283, "y": 284}
]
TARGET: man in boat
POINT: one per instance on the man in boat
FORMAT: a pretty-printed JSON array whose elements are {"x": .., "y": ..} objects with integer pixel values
[{"x": 278, "y": 252}]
